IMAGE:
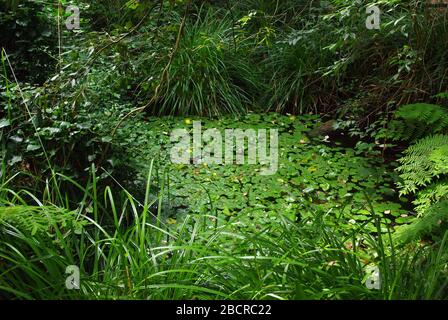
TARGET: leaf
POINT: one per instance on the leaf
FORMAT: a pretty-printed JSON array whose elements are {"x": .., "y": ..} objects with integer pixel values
[
  {"x": 32, "y": 147},
  {"x": 4, "y": 123},
  {"x": 16, "y": 139},
  {"x": 132, "y": 4},
  {"x": 171, "y": 221},
  {"x": 308, "y": 190},
  {"x": 325, "y": 186},
  {"x": 15, "y": 159}
]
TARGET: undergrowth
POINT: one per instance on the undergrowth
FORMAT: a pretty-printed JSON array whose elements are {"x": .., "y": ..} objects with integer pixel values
[{"x": 198, "y": 259}]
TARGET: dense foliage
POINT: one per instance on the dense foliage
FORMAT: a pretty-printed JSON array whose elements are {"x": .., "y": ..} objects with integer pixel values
[{"x": 86, "y": 178}]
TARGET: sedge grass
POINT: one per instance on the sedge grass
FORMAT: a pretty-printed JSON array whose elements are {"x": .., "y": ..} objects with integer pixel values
[{"x": 199, "y": 258}]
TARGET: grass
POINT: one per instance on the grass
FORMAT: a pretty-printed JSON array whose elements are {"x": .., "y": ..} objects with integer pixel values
[
  {"x": 203, "y": 74},
  {"x": 124, "y": 251}
]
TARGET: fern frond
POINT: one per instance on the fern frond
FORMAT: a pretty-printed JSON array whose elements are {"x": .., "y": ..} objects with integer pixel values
[
  {"x": 434, "y": 219},
  {"x": 38, "y": 220},
  {"x": 434, "y": 193},
  {"x": 423, "y": 162},
  {"x": 413, "y": 121}
]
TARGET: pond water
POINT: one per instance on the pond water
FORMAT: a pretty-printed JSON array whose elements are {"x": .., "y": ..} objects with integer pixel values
[{"x": 314, "y": 178}]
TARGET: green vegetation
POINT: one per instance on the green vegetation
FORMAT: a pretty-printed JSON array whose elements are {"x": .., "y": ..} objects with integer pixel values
[
  {"x": 149, "y": 259},
  {"x": 87, "y": 177}
]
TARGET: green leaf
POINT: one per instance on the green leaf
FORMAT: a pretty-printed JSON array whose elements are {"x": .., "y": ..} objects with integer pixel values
[{"x": 4, "y": 123}]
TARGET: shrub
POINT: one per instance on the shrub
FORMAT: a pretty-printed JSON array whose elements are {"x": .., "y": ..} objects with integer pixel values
[
  {"x": 204, "y": 75},
  {"x": 29, "y": 36}
]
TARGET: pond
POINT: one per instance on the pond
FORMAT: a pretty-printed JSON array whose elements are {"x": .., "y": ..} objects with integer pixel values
[{"x": 318, "y": 177}]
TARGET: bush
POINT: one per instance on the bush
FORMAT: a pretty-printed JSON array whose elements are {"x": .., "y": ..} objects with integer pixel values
[
  {"x": 29, "y": 36},
  {"x": 204, "y": 75}
]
